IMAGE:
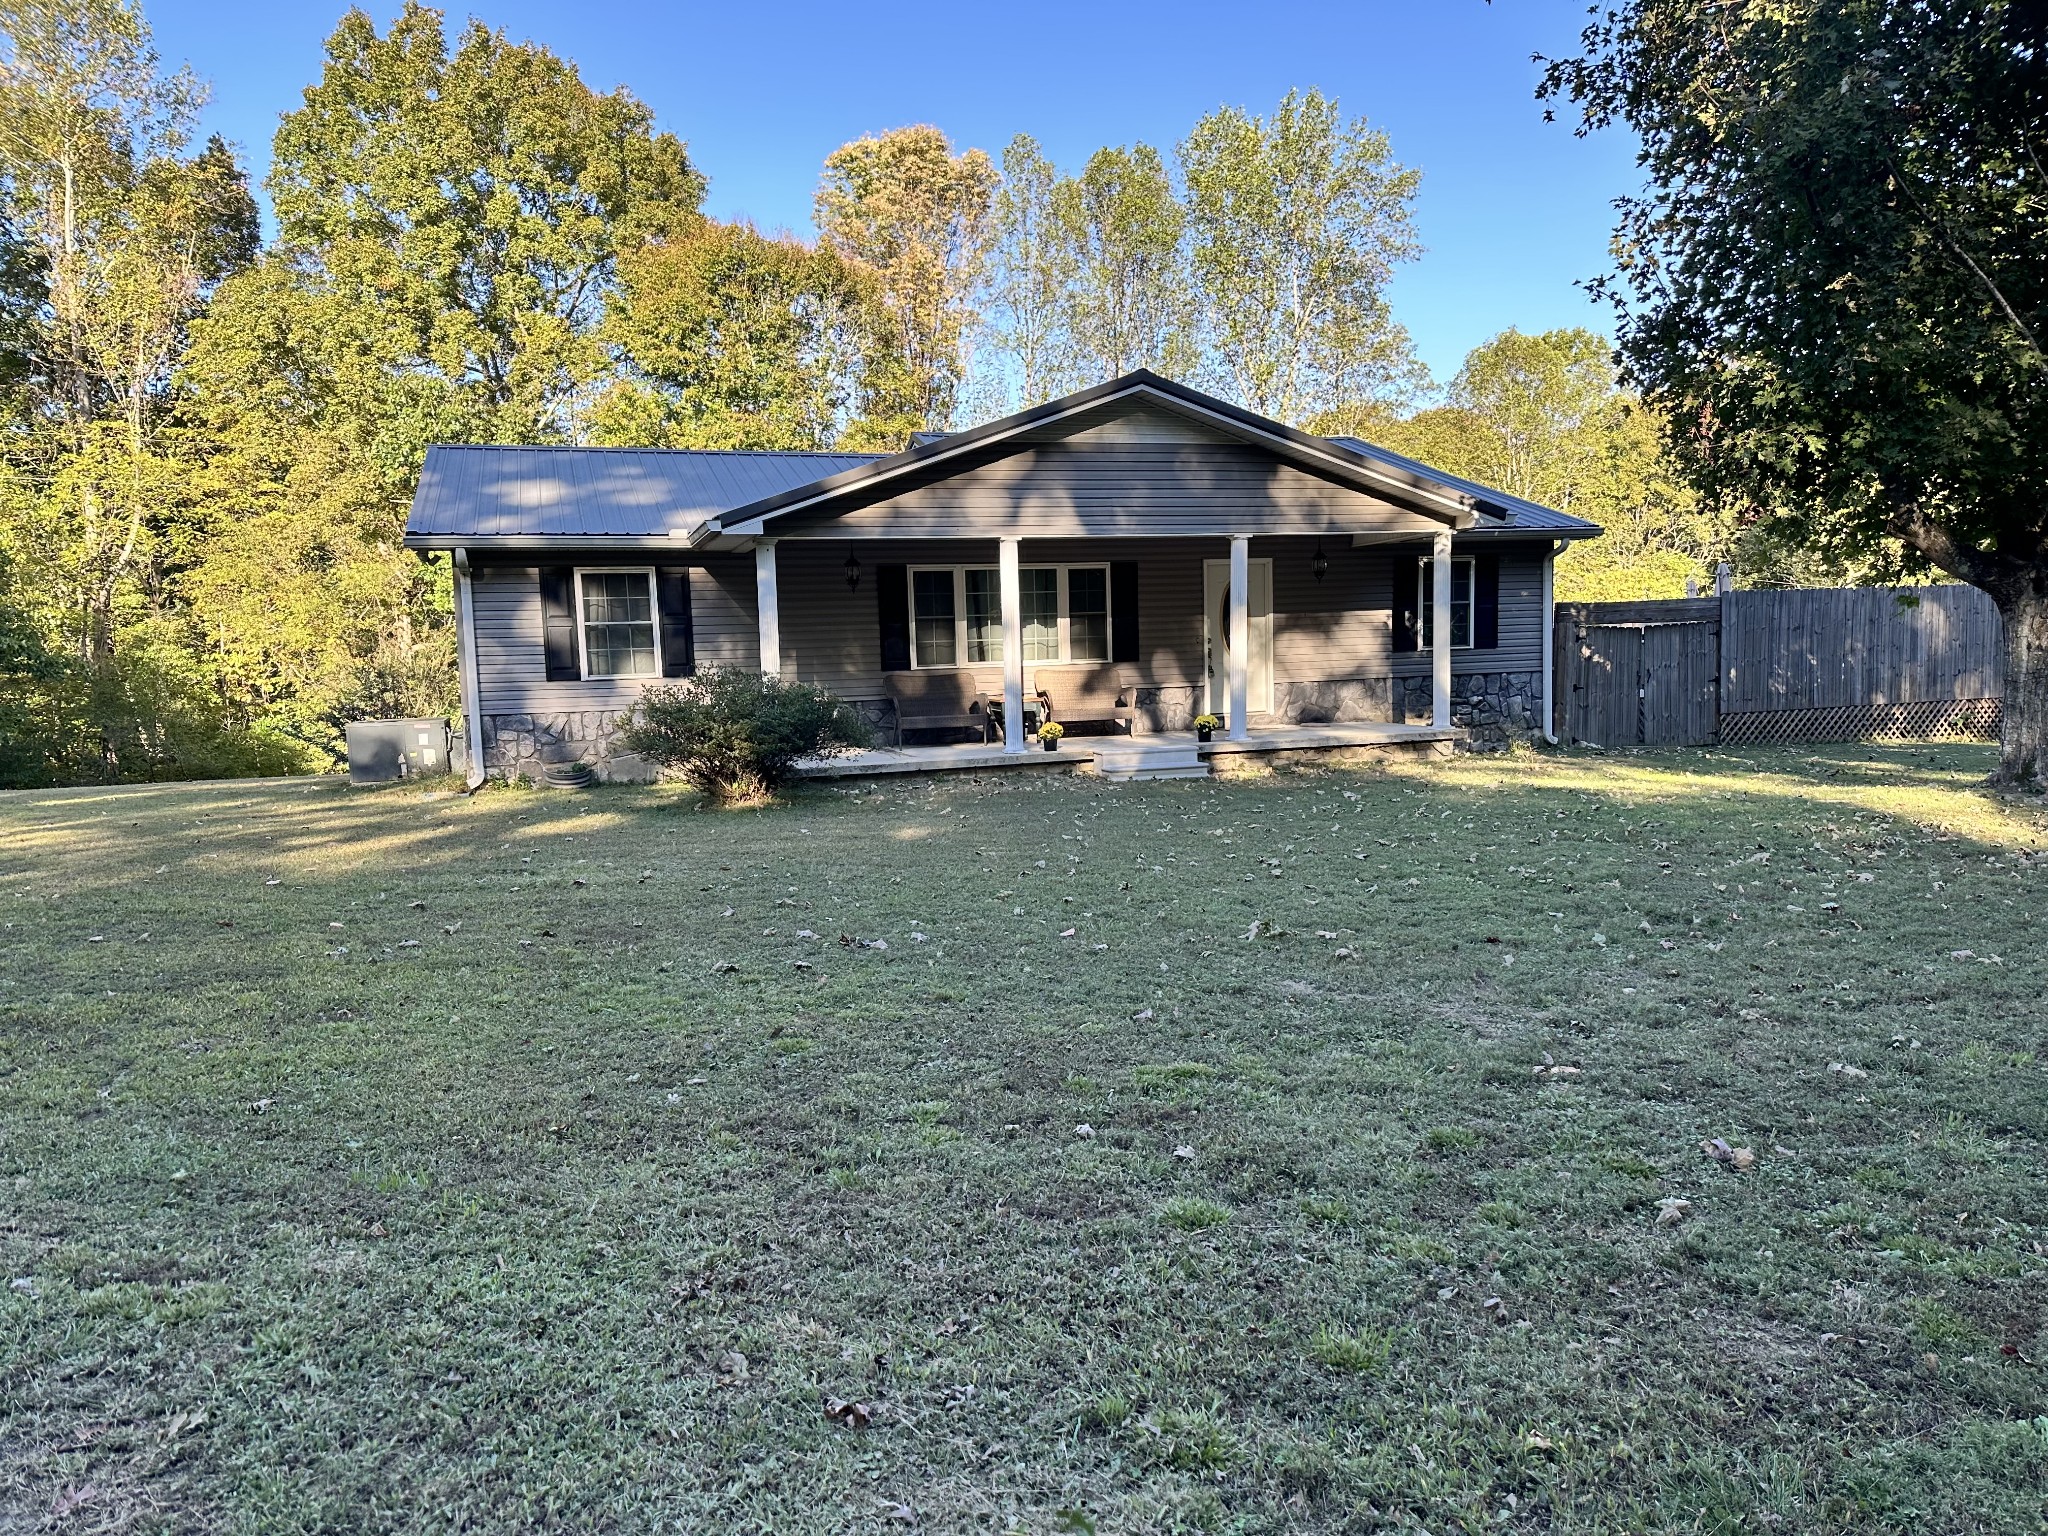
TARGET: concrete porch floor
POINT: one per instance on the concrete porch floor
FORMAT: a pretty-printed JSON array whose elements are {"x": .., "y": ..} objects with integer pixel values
[{"x": 1087, "y": 753}]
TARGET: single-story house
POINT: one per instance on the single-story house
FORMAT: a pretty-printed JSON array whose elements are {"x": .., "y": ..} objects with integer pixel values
[{"x": 1139, "y": 552}]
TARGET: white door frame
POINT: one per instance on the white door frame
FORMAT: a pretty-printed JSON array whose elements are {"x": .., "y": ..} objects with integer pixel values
[{"x": 1215, "y": 600}]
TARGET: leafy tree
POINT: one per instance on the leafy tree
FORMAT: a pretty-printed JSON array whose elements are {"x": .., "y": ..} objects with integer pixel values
[
  {"x": 1836, "y": 283},
  {"x": 1031, "y": 274},
  {"x": 904, "y": 204},
  {"x": 1131, "y": 301},
  {"x": 451, "y": 220},
  {"x": 1544, "y": 417},
  {"x": 737, "y": 340},
  {"x": 1297, "y": 223},
  {"x": 116, "y": 244}
]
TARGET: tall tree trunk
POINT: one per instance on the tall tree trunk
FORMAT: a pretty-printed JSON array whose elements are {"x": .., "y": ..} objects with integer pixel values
[{"x": 2023, "y": 762}]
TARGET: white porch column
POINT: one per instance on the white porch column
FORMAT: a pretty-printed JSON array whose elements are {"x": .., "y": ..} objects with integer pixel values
[
  {"x": 1013, "y": 646},
  {"x": 465, "y": 661},
  {"x": 1440, "y": 633},
  {"x": 1240, "y": 635},
  {"x": 769, "y": 603}
]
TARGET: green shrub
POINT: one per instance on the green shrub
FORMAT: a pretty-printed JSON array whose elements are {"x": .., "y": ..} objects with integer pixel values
[{"x": 737, "y": 735}]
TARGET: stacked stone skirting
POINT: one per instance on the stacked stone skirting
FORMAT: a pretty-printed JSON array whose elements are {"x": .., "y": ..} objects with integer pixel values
[
  {"x": 520, "y": 746},
  {"x": 1494, "y": 707}
]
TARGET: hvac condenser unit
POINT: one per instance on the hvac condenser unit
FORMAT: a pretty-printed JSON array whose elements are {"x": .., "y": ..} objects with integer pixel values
[{"x": 381, "y": 751}]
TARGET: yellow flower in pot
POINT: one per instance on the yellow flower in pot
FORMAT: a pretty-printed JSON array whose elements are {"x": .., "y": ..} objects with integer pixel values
[{"x": 1050, "y": 733}]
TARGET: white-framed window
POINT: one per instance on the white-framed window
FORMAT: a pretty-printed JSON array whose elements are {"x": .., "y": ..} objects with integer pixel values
[
  {"x": 616, "y": 616},
  {"x": 1461, "y": 603},
  {"x": 956, "y": 614}
]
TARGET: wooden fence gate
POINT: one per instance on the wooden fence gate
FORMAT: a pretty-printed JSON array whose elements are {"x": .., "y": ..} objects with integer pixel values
[
  {"x": 1639, "y": 678},
  {"x": 1820, "y": 665}
]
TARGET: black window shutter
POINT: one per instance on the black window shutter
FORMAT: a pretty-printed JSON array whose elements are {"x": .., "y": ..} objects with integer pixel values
[
  {"x": 1407, "y": 621},
  {"x": 892, "y": 597},
  {"x": 678, "y": 634},
  {"x": 1486, "y": 602},
  {"x": 1123, "y": 611},
  {"x": 558, "y": 623}
]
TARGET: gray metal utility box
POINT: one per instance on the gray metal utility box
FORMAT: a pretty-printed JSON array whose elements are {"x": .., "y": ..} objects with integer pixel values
[{"x": 381, "y": 751}]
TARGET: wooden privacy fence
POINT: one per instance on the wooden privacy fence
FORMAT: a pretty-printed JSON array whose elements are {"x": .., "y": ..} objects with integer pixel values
[{"x": 1830, "y": 664}]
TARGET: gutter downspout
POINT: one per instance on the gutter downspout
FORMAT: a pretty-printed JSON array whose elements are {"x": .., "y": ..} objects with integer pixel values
[
  {"x": 1550, "y": 644},
  {"x": 465, "y": 660}
]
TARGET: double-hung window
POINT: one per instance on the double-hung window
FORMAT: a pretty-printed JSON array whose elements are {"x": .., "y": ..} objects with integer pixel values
[
  {"x": 616, "y": 612},
  {"x": 1461, "y": 604},
  {"x": 935, "y": 619},
  {"x": 957, "y": 614}
]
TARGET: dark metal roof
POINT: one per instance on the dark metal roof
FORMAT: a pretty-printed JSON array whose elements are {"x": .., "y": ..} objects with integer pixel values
[
  {"x": 477, "y": 492},
  {"x": 525, "y": 495},
  {"x": 1510, "y": 514}
]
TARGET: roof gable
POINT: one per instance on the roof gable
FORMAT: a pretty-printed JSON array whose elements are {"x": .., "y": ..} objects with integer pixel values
[{"x": 1133, "y": 394}]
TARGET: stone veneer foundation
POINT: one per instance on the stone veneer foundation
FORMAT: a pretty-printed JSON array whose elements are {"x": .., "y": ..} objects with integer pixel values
[{"x": 1494, "y": 707}]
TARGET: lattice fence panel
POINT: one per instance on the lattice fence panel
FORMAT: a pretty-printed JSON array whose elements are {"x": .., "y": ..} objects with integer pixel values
[{"x": 1925, "y": 720}]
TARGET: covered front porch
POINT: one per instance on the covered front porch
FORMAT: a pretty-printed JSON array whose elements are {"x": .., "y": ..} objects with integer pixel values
[
  {"x": 1159, "y": 754},
  {"x": 1264, "y": 632}
]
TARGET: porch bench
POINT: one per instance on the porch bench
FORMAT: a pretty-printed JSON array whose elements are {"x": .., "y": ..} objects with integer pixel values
[
  {"x": 937, "y": 701},
  {"x": 1075, "y": 693}
]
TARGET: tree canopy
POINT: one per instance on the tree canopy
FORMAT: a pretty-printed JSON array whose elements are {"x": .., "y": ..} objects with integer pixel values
[{"x": 1835, "y": 286}]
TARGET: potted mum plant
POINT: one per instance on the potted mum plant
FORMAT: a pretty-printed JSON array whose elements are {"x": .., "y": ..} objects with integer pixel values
[
  {"x": 1050, "y": 733},
  {"x": 1205, "y": 727}
]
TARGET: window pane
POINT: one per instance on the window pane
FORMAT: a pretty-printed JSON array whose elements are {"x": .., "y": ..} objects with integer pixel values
[
  {"x": 932, "y": 592},
  {"x": 1040, "y": 594},
  {"x": 1461, "y": 603},
  {"x": 1088, "y": 613},
  {"x": 618, "y": 625},
  {"x": 984, "y": 616}
]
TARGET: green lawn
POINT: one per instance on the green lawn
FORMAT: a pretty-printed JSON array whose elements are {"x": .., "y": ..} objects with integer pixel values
[{"x": 1165, "y": 1157}]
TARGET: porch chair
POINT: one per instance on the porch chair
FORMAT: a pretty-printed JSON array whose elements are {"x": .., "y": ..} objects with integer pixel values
[
  {"x": 1075, "y": 693},
  {"x": 937, "y": 701}
]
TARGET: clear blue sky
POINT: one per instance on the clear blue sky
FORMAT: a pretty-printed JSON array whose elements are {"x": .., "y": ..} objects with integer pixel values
[{"x": 1513, "y": 210}]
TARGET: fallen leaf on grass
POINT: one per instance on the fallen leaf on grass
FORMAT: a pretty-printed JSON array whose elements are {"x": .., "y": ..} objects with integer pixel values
[
  {"x": 732, "y": 1368},
  {"x": 70, "y": 1499},
  {"x": 852, "y": 1415},
  {"x": 1741, "y": 1159},
  {"x": 1538, "y": 1442},
  {"x": 1141, "y": 1015},
  {"x": 722, "y": 967},
  {"x": 1185, "y": 1153},
  {"x": 1845, "y": 1070},
  {"x": 1672, "y": 1210},
  {"x": 1085, "y": 1132}
]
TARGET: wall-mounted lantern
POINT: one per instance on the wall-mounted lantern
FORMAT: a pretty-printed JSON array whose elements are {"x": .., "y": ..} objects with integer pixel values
[
  {"x": 1320, "y": 565},
  {"x": 852, "y": 571}
]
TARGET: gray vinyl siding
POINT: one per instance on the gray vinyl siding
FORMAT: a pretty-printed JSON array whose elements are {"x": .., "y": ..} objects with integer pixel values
[
  {"x": 1336, "y": 629},
  {"x": 512, "y": 658},
  {"x": 1521, "y": 612},
  {"x": 724, "y": 612},
  {"x": 1105, "y": 487}
]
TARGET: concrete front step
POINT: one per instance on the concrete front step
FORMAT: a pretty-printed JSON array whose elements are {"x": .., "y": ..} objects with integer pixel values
[{"x": 1128, "y": 759}]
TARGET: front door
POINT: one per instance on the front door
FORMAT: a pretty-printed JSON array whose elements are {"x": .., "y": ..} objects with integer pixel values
[{"x": 1216, "y": 636}]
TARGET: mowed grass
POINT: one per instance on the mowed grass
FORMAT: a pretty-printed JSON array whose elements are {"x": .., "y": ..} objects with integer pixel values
[{"x": 1290, "y": 1154}]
